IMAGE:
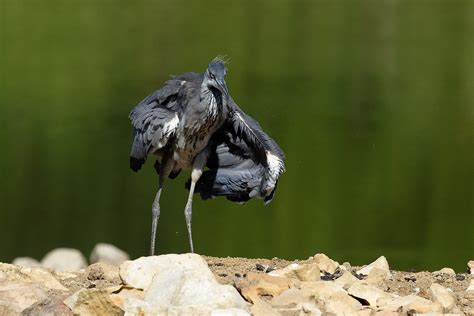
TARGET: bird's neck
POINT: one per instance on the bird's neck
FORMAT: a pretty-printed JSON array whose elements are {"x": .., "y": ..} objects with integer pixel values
[{"x": 213, "y": 98}]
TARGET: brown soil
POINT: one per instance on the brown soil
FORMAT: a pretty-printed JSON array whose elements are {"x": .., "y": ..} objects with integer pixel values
[{"x": 230, "y": 270}]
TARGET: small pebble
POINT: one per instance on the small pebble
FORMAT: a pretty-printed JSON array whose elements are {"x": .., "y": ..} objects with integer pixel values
[
  {"x": 410, "y": 278},
  {"x": 460, "y": 277}
]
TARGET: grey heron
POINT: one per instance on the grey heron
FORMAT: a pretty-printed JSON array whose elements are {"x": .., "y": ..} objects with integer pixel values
[{"x": 192, "y": 123}]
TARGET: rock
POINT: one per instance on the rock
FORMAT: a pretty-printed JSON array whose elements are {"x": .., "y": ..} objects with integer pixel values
[
  {"x": 180, "y": 284},
  {"x": 470, "y": 267},
  {"x": 26, "y": 262},
  {"x": 448, "y": 271},
  {"x": 229, "y": 312},
  {"x": 126, "y": 294},
  {"x": 302, "y": 272},
  {"x": 368, "y": 293},
  {"x": 260, "y": 307},
  {"x": 324, "y": 263},
  {"x": 296, "y": 297},
  {"x": 19, "y": 274},
  {"x": 407, "y": 303},
  {"x": 323, "y": 290},
  {"x": 256, "y": 284},
  {"x": 342, "y": 304},
  {"x": 346, "y": 280},
  {"x": 92, "y": 302},
  {"x": 103, "y": 271},
  {"x": 108, "y": 253},
  {"x": 139, "y": 273},
  {"x": 442, "y": 296},
  {"x": 381, "y": 263},
  {"x": 470, "y": 288},
  {"x": 377, "y": 276},
  {"x": 64, "y": 259},
  {"x": 15, "y": 296},
  {"x": 49, "y": 306}
]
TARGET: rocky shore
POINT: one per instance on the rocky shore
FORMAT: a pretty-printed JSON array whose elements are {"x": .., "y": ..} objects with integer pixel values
[{"x": 188, "y": 284}]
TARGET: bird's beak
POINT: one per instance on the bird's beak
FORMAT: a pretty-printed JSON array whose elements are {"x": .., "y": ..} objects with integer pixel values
[{"x": 222, "y": 87}]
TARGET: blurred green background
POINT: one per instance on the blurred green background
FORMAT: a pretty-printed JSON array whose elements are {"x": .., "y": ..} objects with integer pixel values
[{"x": 372, "y": 101}]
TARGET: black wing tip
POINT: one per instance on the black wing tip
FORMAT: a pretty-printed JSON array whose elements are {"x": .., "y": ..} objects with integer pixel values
[{"x": 136, "y": 164}]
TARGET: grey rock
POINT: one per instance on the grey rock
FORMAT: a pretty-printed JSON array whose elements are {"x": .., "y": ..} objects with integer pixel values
[
  {"x": 64, "y": 259},
  {"x": 26, "y": 262},
  {"x": 108, "y": 253}
]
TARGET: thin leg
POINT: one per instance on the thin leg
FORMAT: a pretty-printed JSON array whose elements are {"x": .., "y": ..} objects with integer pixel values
[
  {"x": 155, "y": 216},
  {"x": 165, "y": 170},
  {"x": 198, "y": 165}
]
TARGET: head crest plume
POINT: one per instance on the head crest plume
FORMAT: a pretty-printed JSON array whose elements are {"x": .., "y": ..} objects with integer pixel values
[{"x": 221, "y": 59}]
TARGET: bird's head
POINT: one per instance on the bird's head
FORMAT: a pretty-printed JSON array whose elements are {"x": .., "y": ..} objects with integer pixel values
[{"x": 214, "y": 76}]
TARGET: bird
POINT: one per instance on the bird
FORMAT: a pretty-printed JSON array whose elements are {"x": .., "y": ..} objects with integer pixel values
[{"x": 192, "y": 123}]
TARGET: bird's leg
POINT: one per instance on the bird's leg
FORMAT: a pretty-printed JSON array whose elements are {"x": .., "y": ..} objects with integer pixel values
[
  {"x": 165, "y": 170},
  {"x": 198, "y": 166}
]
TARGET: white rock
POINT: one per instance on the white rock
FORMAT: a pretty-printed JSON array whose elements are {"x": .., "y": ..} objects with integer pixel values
[
  {"x": 229, "y": 312},
  {"x": 325, "y": 263},
  {"x": 367, "y": 292},
  {"x": 323, "y": 290},
  {"x": 64, "y": 259},
  {"x": 342, "y": 304},
  {"x": 139, "y": 273},
  {"x": 181, "y": 284},
  {"x": 470, "y": 267},
  {"x": 26, "y": 262},
  {"x": 108, "y": 253},
  {"x": 346, "y": 280},
  {"x": 449, "y": 271},
  {"x": 441, "y": 295},
  {"x": 302, "y": 272},
  {"x": 470, "y": 288},
  {"x": 380, "y": 263},
  {"x": 409, "y": 302},
  {"x": 13, "y": 273},
  {"x": 15, "y": 296}
]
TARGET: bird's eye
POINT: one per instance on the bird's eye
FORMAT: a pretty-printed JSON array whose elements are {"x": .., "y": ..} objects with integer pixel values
[{"x": 212, "y": 76}]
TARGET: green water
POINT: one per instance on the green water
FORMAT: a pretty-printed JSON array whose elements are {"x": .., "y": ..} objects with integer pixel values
[{"x": 372, "y": 101}]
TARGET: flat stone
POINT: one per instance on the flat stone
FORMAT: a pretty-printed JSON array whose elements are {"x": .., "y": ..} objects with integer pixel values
[
  {"x": 340, "y": 303},
  {"x": 296, "y": 297},
  {"x": 26, "y": 262},
  {"x": 381, "y": 263},
  {"x": 324, "y": 263},
  {"x": 441, "y": 295},
  {"x": 108, "y": 253},
  {"x": 366, "y": 292},
  {"x": 470, "y": 267},
  {"x": 64, "y": 259},
  {"x": 346, "y": 280},
  {"x": 409, "y": 302},
  {"x": 302, "y": 272}
]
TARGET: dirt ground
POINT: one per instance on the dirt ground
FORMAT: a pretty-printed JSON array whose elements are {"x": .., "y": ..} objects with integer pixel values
[{"x": 230, "y": 270}]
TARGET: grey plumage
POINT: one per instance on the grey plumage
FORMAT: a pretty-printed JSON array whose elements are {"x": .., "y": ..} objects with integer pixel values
[{"x": 192, "y": 122}]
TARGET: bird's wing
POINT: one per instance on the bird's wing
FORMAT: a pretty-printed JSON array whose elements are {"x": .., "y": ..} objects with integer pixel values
[
  {"x": 156, "y": 118},
  {"x": 244, "y": 162}
]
